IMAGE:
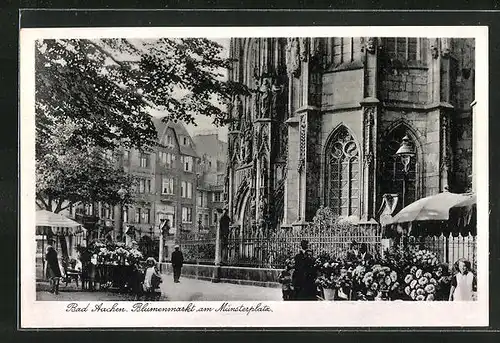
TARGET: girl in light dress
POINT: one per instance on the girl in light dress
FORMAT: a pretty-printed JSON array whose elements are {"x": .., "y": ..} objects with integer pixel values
[
  {"x": 463, "y": 283},
  {"x": 152, "y": 280}
]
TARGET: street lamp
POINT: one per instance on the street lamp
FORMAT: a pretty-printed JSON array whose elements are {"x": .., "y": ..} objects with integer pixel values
[
  {"x": 405, "y": 152},
  {"x": 122, "y": 192}
]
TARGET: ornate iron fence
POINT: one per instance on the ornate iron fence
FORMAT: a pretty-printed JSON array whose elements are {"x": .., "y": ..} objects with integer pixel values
[
  {"x": 448, "y": 248},
  {"x": 198, "y": 248},
  {"x": 271, "y": 250}
]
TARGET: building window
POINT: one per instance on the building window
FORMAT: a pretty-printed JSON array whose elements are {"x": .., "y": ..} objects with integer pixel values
[
  {"x": 403, "y": 48},
  {"x": 393, "y": 170},
  {"x": 189, "y": 194},
  {"x": 216, "y": 197},
  {"x": 206, "y": 219},
  {"x": 183, "y": 189},
  {"x": 215, "y": 217},
  {"x": 146, "y": 216},
  {"x": 187, "y": 162},
  {"x": 142, "y": 184},
  {"x": 185, "y": 141},
  {"x": 144, "y": 160},
  {"x": 345, "y": 49},
  {"x": 126, "y": 155},
  {"x": 199, "y": 199},
  {"x": 148, "y": 186},
  {"x": 167, "y": 186},
  {"x": 342, "y": 174},
  {"x": 138, "y": 215},
  {"x": 125, "y": 215},
  {"x": 187, "y": 215},
  {"x": 162, "y": 156},
  {"x": 170, "y": 141},
  {"x": 170, "y": 160}
]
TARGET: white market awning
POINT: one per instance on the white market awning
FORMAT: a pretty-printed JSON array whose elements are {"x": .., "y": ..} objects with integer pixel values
[{"x": 57, "y": 223}]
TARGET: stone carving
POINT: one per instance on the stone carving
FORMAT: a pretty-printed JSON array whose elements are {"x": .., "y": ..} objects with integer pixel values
[
  {"x": 302, "y": 141},
  {"x": 292, "y": 56},
  {"x": 435, "y": 48},
  {"x": 248, "y": 145},
  {"x": 445, "y": 47},
  {"x": 263, "y": 173},
  {"x": 237, "y": 109},
  {"x": 253, "y": 205},
  {"x": 445, "y": 156},
  {"x": 264, "y": 98},
  {"x": 371, "y": 45},
  {"x": 369, "y": 121},
  {"x": 262, "y": 139},
  {"x": 368, "y": 159},
  {"x": 277, "y": 93},
  {"x": 304, "y": 48},
  {"x": 262, "y": 205},
  {"x": 235, "y": 150}
]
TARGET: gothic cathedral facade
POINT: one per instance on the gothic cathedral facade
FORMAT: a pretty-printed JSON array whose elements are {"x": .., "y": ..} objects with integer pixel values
[{"x": 326, "y": 116}]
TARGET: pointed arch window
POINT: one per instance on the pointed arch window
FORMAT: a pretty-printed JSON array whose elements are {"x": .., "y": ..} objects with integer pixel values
[
  {"x": 393, "y": 169},
  {"x": 342, "y": 174}
]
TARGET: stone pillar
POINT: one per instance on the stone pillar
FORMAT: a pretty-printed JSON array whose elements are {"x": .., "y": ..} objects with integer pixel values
[
  {"x": 437, "y": 156},
  {"x": 369, "y": 157},
  {"x": 292, "y": 181},
  {"x": 264, "y": 177},
  {"x": 233, "y": 153},
  {"x": 309, "y": 162},
  {"x": 445, "y": 109}
]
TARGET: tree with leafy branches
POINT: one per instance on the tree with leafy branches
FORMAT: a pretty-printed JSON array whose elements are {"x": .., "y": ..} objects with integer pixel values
[{"x": 95, "y": 96}]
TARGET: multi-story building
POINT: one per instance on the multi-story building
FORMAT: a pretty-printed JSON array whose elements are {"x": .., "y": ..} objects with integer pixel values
[
  {"x": 211, "y": 175},
  {"x": 166, "y": 183},
  {"x": 328, "y": 115}
]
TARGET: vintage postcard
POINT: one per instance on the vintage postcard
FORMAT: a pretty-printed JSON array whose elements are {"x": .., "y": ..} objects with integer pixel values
[{"x": 254, "y": 177}]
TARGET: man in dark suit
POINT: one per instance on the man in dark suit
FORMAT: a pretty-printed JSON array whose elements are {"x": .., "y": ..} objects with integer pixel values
[
  {"x": 364, "y": 255},
  {"x": 177, "y": 261},
  {"x": 303, "y": 278},
  {"x": 224, "y": 223}
]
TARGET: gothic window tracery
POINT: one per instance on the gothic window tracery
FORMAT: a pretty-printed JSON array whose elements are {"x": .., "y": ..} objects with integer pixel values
[
  {"x": 405, "y": 48},
  {"x": 342, "y": 174}
]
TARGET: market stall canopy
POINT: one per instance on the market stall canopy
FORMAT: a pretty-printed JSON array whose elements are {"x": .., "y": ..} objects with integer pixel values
[
  {"x": 463, "y": 216},
  {"x": 57, "y": 223},
  {"x": 431, "y": 208}
]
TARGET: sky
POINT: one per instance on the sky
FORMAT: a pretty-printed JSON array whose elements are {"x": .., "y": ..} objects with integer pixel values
[{"x": 204, "y": 124}]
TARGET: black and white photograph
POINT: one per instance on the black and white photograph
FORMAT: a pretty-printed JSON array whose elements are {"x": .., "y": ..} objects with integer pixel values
[{"x": 218, "y": 172}]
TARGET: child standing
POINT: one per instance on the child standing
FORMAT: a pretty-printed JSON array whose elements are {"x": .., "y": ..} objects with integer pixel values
[
  {"x": 285, "y": 279},
  {"x": 463, "y": 284},
  {"x": 152, "y": 280}
]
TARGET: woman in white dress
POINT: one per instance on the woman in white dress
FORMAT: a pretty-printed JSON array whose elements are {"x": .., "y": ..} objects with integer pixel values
[{"x": 463, "y": 283}]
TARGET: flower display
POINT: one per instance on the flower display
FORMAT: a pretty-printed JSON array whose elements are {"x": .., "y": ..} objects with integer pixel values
[
  {"x": 115, "y": 253},
  {"x": 425, "y": 279},
  {"x": 400, "y": 275}
]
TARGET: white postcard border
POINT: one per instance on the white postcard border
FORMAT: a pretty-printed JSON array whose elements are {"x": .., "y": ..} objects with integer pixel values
[{"x": 47, "y": 314}]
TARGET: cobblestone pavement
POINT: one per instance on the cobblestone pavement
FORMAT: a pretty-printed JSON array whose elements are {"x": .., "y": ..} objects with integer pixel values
[
  {"x": 187, "y": 290},
  {"x": 198, "y": 290}
]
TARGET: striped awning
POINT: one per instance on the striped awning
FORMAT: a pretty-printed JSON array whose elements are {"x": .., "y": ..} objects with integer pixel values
[{"x": 57, "y": 223}]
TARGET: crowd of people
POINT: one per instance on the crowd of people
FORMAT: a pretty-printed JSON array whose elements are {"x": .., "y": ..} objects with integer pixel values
[
  {"x": 298, "y": 278},
  {"x": 143, "y": 279}
]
